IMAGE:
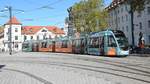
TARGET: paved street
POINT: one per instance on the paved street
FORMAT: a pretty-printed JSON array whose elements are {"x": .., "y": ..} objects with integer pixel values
[{"x": 60, "y": 68}]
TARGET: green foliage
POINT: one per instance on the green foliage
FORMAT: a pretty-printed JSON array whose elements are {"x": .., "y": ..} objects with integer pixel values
[
  {"x": 89, "y": 16},
  {"x": 138, "y": 5}
]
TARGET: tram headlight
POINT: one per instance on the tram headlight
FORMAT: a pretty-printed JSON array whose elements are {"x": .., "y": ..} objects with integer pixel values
[{"x": 122, "y": 52}]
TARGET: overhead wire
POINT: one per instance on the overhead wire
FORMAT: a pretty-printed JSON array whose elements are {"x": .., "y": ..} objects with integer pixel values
[{"x": 47, "y": 6}]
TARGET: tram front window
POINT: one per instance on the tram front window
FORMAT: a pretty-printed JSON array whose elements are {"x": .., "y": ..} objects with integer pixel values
[
  {"x": 25, "y": 45},
  {"x": 122, "y": 41},
  {"x": 111, "y": 41}
]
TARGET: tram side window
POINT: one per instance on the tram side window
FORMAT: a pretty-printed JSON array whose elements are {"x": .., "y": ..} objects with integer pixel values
[
  {"x": 78, "y": 43},
  {"x": 44, "y": 45},
  {"x": 73, "y": 43},
  {"x": 25, "y": 45},
  {"x": 101, "y": 41},
  {"x": 111, "y": 41},
  {"x": 94, "y": 43},
  {"x": 82, "y": 42},
  {"x": 90, "y": 42},
  {"x": 64, "y": 44}
]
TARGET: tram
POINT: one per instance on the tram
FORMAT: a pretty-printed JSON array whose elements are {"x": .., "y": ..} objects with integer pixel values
[
  {"x": 27, "y": 46},
  {"x": 109, "y": 42},
  {"x": 79, "y": 45},
  {"x": 46, "y": 45},
  {"x": 35, "y": 45},
  {"x": 63, "y": 45}
]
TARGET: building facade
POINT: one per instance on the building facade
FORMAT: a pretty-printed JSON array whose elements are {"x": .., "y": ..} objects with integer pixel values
[
  {"x": 120, "y": 19},
  {"x": 16, "y": 41},
  {"x": 20, "y": 33},
  {"x": 1, "y": 38},
  {"x": 142, "y": 24}
]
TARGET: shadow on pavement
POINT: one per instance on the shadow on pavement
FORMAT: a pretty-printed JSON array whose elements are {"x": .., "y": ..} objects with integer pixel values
[
  {"x": 138, "y": 50},
  {"x": 1, "y": 66}
]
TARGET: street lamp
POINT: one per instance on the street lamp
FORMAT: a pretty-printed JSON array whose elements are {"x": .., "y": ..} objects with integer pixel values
[
  {"x": 9, "y": 8},
  {"x": 132, "y": 17}
]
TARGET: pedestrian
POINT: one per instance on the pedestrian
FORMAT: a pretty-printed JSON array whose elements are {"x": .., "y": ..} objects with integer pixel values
[
  {"x": 3, "y": 50},
  {"x": 141, "y": 42}
]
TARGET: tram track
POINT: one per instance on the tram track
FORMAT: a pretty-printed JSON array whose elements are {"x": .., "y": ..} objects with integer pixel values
[
  {"x": 29, "y": 74},
  {"x": 106, "y": 72},
  {"x": 131, "y": 67},
  {"x": 110, "y": 71},
  {"x": 122, "y": 64}
]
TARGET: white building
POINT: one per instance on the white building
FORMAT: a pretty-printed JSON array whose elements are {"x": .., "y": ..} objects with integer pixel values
[
  {"x": 20, "y": 33},
  {"x": 41, "y": 32},
  {"x": 16, "y": 38},
  {"x": 120, "y": 18},
  {"x": 1, "y": 38}
]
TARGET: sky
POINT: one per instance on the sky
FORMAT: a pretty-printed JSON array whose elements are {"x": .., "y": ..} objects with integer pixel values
[{"x": 38, "y": 12}]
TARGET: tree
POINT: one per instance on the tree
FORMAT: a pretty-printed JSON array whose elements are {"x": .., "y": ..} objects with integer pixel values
[
  {"x": 89, "y": 16},
  {"x": 138, "y": 5}
]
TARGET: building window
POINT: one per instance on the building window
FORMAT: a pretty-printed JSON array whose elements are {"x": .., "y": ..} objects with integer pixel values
[
  {"x": 44, "y": 36},
  {"x": 140, "y": 25},
  {"x": 122, "y": 28},
  {"x": 122, "y": 19},
  {"x": 44, "y": 30},
  {"x": 37, "y": 37},
  {"x": 126, "y": 7},
  {"x": 126, "y": 17},
  {"x": 112, "y": 14},
  {"x": 139, "y": 14},
  {"x": 149, "y": 24},
  {"x": 148, "y": 10},
  {"x": 31, "y": 37},
  {"x": 16, "y": 45},
  {"x": 50, "y": 37},
  {"x": 16, "y": 37},
  {"x": 8, "y": 31},
  {"x": 122, "y": 9},
  {"x": 149, "y": 38},
  {"x": 16, "y": 29},
  {"x": 118, "y": 19},
  {"x": 127, "y": 28},
  {"x": 25, "y": 37}
]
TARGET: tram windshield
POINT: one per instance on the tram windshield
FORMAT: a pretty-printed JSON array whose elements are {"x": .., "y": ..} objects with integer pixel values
[
  {"x": 25, "y": 45},
  {"x": 122, "y": 41}
]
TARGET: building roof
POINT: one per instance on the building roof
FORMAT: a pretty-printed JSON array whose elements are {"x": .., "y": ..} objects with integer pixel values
[
  {"x": 29, "y": 30},
  {"x": 1, "y": 32},
  {"x": 13, "y": 21},
  {"x": 115, "y": 4}
]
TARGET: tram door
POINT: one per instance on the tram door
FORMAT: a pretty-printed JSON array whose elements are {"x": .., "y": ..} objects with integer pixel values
[
  {"x": 53, "y": 46},
  {"x": 101, "y": 45},
  {"x": 110, "y": 46}
]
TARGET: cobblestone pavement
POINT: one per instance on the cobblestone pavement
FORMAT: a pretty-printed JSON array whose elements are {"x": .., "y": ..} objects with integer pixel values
[{"x": 60, "y": 68}]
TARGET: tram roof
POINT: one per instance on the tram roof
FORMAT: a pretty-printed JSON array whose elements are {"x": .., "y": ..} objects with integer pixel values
[{"x": 101, "y": 33}]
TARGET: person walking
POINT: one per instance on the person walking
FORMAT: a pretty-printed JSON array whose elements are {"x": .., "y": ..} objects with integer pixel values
[{"x": 141, "y": 42}]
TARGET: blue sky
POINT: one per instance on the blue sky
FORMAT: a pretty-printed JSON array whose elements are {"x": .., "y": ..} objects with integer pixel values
[{"x": 36, "y": 14}]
